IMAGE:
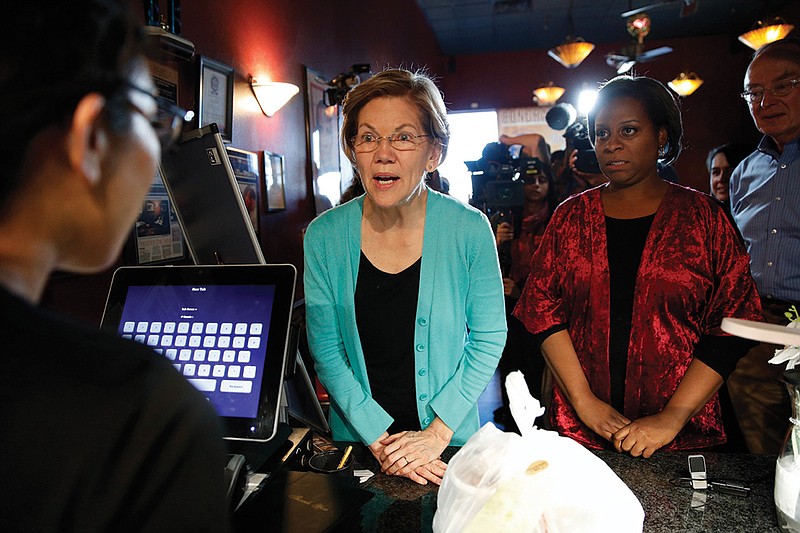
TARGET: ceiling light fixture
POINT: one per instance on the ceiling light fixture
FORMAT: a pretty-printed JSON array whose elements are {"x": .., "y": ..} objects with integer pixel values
[
  {"x": 272, "y": 95},
  {"x": 766, "y": 32},
  {"x": 574, "y": 50},
  {"x": 548, "y": 94},
  {"x": 685, "y": 84}
]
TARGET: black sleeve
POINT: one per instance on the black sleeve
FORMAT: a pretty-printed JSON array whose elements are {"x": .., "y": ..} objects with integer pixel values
[
  {"x": 722, "y": 352},
  {"x": 539, "y": 338}
]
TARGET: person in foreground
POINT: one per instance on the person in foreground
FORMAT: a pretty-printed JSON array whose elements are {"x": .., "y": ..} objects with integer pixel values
[
  {"x": 629, "y": 286},
  {"x": 98, "y": 433},
  {"x": 765, "y": 203},
  {"x": 404, "y": 298}
]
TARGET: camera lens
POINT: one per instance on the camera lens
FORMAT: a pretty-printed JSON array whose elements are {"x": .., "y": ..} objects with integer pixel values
[
  {"x": 504, "y": 193},
  {"x": 560, "y": 116}
]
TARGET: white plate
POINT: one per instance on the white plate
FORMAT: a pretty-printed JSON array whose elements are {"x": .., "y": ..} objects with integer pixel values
[{"x": 761, "y": 331}]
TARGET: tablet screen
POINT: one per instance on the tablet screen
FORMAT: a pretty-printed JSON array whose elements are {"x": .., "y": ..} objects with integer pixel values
[{"x": 224, "y": 328}]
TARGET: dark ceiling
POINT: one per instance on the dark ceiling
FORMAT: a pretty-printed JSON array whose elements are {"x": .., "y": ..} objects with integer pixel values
[{"x": 478, "y": 26}]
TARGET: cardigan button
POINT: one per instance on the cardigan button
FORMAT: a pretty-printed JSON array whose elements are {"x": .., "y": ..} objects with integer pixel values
[
  {"x": 423, "y": 397},
  {"x": 426, "y": 421},
  {"x": 422, "y": 321},
  {"x": 422, "y": 371},
  {"x": 420, "y": 347}
]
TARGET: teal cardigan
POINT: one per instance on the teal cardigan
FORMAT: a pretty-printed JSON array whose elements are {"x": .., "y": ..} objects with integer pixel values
[{"x": 460, "y": 327}]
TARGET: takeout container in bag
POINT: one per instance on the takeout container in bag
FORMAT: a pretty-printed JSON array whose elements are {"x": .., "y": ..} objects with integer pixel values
[{"x": 538, "y": 482}]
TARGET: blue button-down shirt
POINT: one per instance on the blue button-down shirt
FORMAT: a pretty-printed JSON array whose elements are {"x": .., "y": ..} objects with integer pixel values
[{"x": 765, "y": 202}]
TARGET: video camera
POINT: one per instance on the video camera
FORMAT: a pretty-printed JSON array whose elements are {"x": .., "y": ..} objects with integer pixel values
[
  {"x": 342, "y": 83},
  {"x": 498, "y": 177},
  {"x": 498, "y": 183},
  {"x": 564, "y": 116}
]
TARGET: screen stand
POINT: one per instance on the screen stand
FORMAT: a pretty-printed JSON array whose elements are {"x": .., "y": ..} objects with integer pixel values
[
  {"x": 312, "y": 414},
  {"x": 259, "y": 454}
]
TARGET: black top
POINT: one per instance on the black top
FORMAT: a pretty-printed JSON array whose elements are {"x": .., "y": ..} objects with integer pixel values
[
  {"x": 100, "y": 434},
  {"x": 386, "y": 305},
  {"x": 626, "y": 239}
]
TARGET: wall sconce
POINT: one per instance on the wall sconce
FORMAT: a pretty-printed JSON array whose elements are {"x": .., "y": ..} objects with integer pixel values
[
  {"x": 685, "y": 84},
  {"x": 766, "y": 32},
  {"x": 272, "y": 95},
  {"x": 548, "y": 94}
]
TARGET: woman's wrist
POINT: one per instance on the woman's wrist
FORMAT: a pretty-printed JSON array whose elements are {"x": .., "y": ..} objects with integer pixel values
[
  {"x": 377, "y": 446},
  {"x": 675, "y": 417},
  {"x": 583, "y": 400},
  {"x": 442, "y": 432}
]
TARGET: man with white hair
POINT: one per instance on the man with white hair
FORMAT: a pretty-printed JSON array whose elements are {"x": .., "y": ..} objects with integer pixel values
[{"x": 765, "y": 202}]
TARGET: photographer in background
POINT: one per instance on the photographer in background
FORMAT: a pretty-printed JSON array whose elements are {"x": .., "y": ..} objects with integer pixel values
[
  {"x": 515, "y": 252},
  {"x": 580, "y": 170}
]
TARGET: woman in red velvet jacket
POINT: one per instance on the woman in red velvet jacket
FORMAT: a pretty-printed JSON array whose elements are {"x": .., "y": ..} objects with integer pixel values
[{"x": 629, "y": 286}]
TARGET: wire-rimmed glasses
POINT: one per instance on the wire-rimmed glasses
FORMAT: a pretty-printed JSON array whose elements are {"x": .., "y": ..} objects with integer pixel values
[
  {"x": 782, "y": 88},
  {"x": 400, "y": 140}
]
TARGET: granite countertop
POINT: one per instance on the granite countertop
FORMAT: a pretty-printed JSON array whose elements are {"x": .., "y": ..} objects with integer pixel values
[
  {"x": 401, "y": 505},
  {"x": 668, "y": 508}
]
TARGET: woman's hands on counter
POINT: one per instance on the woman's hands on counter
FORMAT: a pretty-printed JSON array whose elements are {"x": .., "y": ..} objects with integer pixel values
[
  {"x": 649, "y": 433},
  {"x": 644, "y": 436},
  {"x": 414, "y": 454},
  {"x": 599, "y": 416}
]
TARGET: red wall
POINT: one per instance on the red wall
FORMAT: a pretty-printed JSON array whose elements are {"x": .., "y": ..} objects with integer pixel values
[
  {"x": 273, "y": 39},
  {"x": 713, "y": 115}
]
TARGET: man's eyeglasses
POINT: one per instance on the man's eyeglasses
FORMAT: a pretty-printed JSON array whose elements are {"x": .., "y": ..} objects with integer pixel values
[
  {"x": 168, "y": 121},
  {"x": 782, "y": 88},
  {"x": 401, "y": 140}
]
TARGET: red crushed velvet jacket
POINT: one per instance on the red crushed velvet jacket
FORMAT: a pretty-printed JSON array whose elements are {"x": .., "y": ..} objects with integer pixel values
[{"x": 694, "y": 271}]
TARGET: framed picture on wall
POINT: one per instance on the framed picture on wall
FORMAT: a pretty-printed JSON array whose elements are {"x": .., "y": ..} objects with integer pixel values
[
  {"x": 322, "y": 132},
  {"x": 246, "y": 170},
  {"x": 215, "y": 96},
  {"x": 157, "y": 235},
  {"x": 274, "y": 182}
]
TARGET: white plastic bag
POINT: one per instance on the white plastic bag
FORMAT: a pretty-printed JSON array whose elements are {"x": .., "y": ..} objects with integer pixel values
[{"x": 538, "y": 482}]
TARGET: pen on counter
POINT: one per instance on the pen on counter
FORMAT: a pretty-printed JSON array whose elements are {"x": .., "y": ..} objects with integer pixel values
[{"x": 344, "y": 457}]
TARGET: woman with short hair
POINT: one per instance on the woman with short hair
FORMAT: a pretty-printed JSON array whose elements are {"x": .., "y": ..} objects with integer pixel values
[
  {"x": 404, "y": 298},
  {"x": 629, "y": 287}
]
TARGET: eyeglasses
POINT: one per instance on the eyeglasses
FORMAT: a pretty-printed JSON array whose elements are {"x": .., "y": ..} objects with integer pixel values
[
  {"x": 168, "y": 121},
  {"x": 401, "y": 140},
  {"x": 782, "y": 88}
]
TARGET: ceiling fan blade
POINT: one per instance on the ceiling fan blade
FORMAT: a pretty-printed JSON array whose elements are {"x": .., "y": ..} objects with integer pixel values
[
  {"x": 625, "y": 66},
  {"x": 654, "y": 53},
  {"x": 620, "y": 63},
  {"x": 638, "y": 10}
]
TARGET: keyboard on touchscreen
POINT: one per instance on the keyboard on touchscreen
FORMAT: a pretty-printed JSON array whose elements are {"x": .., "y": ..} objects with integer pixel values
[{"x": 212, "y": 356}]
